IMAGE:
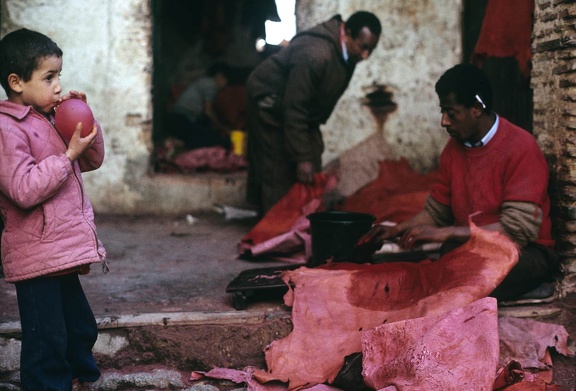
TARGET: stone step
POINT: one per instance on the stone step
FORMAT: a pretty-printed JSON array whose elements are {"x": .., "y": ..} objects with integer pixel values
[
  {"x": 160, "y": 350},
  {"x": 165, "y": 344}
]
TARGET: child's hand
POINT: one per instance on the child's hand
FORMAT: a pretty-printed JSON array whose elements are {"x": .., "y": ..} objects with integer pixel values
[
  {"x": 78, "y": 144},
  {"x": 73, "y": 95}
]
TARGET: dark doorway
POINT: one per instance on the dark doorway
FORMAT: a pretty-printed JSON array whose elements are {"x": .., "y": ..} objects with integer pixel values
[
  {"x": 191, "y": 36},
  {"x": 512, "y": 92}
]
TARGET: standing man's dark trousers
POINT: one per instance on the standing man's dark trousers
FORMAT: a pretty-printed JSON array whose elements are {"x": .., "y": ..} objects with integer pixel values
[{"x": 271, "y": 171}]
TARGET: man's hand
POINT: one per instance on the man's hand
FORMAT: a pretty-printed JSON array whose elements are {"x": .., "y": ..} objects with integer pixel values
[
  {"x": 425, "y": 234},
  {"x": 378, "y": 234},
  {"x": 305, "y": 172},
  {"x": 374, "y": 239},
  {"x": 418, "y": 230}
]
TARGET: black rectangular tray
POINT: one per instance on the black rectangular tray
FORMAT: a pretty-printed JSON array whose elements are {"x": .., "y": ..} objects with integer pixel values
[{"x": 264, "y": 281}]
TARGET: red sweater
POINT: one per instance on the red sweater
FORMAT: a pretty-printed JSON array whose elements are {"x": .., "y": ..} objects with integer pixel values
[{"x": 511, "y": 167}]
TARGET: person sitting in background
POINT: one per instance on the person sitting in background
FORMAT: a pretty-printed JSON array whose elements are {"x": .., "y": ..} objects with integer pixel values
[
  {"x": 491, "y": 171},
  {"x": 193, "y": 119}
]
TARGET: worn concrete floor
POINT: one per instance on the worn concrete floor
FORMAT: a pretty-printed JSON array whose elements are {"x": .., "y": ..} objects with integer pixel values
[
  {"x": 168, "y": 265},
  {"x": 161, "y": 265}
]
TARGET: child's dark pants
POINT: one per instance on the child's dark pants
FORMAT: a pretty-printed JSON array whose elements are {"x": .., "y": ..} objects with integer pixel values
[{"x": 58, "y": 333}]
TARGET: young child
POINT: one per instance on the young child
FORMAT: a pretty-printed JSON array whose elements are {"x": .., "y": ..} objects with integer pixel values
[{"x": 49, "y": 236}]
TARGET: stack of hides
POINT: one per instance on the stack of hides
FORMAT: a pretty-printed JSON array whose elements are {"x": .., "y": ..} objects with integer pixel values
[
  {"x": 416, "y": 326},
  {"x": 395, "y": 195}
]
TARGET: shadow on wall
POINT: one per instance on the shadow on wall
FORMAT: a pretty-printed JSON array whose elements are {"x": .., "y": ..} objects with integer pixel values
[
  {"x": 379, "y": 101},
  {"x": 359, "y": 165}
]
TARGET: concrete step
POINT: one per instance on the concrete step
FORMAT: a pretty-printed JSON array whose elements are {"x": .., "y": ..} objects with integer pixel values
[
  {"x": 160, "y": 350},
  {"x": 167, "y": 345}
]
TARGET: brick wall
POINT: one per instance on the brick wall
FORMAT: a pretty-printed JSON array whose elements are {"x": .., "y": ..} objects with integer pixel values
[{"x": 554, "y": 85}]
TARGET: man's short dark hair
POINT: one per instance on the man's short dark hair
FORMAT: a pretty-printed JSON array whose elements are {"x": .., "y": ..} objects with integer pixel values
[
  {"x": 466, "y": 81},
  {"x": 21, "y": 52},
  {"x": 360, "y": 19}
]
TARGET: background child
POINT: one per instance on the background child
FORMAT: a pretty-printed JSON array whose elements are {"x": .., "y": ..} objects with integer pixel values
[{"x": 49, "y": 236}]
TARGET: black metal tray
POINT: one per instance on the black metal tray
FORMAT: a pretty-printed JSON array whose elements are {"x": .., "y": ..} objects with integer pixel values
[{"x": 264, "y": 281}]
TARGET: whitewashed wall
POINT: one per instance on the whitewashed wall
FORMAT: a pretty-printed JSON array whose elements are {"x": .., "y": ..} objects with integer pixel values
[
  {"x": 108, "y": 54},
  {"x": 420, "y": 40}
]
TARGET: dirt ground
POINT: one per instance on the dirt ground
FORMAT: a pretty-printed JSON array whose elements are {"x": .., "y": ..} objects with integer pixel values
[
  {"x": 192, "y": 266},
  {"x": 167, "y": 265}
]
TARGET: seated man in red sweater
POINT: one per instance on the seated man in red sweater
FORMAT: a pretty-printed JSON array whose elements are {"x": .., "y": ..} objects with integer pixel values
[{"x": 490, "y": 168}]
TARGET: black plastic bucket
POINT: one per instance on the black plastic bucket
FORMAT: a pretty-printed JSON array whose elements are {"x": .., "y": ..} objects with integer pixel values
[{"x": 335, "y": 233}]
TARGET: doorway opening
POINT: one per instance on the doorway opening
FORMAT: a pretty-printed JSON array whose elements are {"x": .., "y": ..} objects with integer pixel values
[
  {"x": 512, "y": 92},
  {"x": 191, "y": 42}
]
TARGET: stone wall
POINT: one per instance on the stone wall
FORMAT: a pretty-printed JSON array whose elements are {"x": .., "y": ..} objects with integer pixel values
[
  {"x": 419, "y": 41},
  {"x": 554, "y": 84},
  {"x": 108, "y": 53},
  {"x": 107, "y": 47}
]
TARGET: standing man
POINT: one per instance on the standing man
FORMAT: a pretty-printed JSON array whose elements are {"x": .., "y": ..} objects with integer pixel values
[
  {"x": 491, "y": 169},
  {"x": 294, "y": 91}
]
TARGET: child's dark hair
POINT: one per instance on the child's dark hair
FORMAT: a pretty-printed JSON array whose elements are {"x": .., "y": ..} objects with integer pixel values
[
  {"x": 21, "y": 52},
  {"x": 469, "y": 84}
]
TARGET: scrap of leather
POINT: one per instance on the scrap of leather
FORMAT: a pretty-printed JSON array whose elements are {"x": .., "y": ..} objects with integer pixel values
[
  {"x": 453, "y": 351},
  {"x": 246, "y": 376},
  {"x": 280, "y": 229},
  {"x": 215, "y": 158},
  {"x": 506, "y": 32},
  {"x": 252, "y": 380},
  {"x": 527, "y": 341},
  {"x": 397, "y": 194},
  {"x": 512, "y": 373}
]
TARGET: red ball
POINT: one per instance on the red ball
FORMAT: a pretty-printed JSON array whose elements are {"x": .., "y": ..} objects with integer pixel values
[{"x": 69, "y": 113}]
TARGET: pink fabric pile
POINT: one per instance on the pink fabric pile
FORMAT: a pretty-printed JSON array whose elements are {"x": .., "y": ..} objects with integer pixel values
[
  {"x": 333, "y": 305},
  {"x": 396, "y": 194},
  {"x": 210, "y": 158},
  {"x": 419, "y": 326},
  {"x": 284, "y": 232}
]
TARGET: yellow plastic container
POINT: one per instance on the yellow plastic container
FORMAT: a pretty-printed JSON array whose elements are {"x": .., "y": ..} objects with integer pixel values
[{"x": 238, "y": 138}]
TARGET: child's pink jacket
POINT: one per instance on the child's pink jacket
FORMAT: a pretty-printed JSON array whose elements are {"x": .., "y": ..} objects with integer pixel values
[{"x": 49, "y": 221}]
